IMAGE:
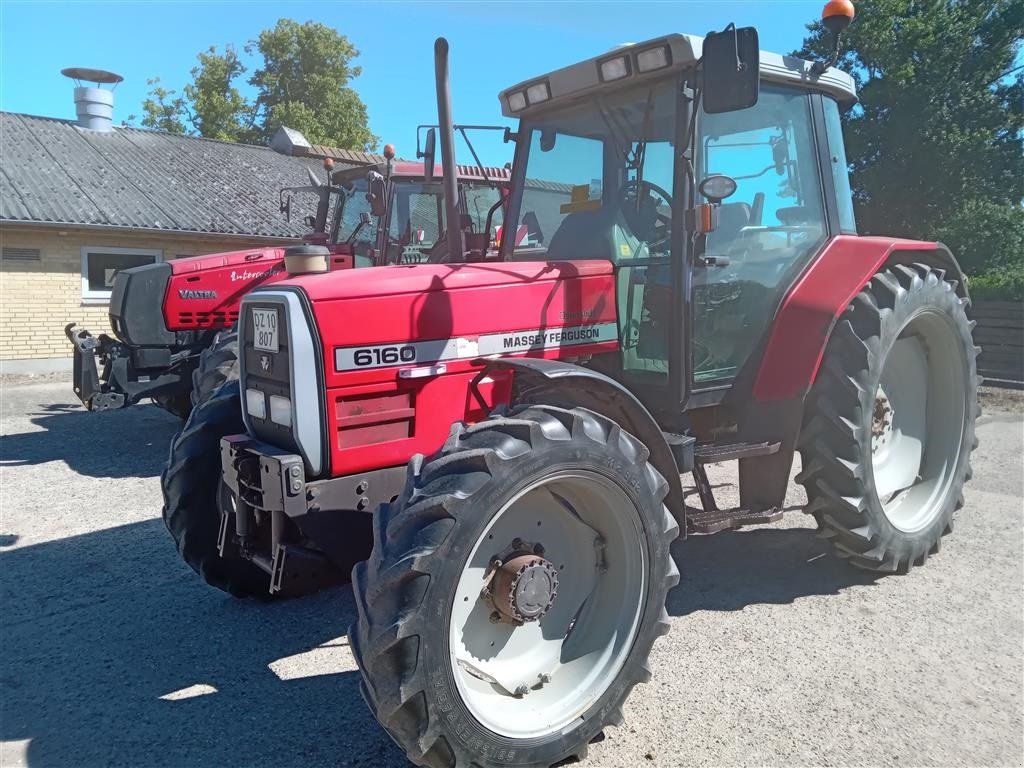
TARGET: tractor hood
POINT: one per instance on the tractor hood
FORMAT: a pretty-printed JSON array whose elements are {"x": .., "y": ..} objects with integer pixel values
[
  {"x": 455, "y": 304},
  {"x": 438, "y": 278}
]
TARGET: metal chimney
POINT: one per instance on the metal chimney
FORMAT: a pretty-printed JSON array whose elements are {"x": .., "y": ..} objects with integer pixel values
[{"x": 94, "y": 105}]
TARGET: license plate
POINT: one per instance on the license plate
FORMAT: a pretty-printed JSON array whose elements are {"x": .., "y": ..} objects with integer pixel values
[{"x": 264, "y": 326}]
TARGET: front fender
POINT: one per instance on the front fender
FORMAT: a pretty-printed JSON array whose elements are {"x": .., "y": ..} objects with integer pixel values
[{"x": 556, "y": 382}]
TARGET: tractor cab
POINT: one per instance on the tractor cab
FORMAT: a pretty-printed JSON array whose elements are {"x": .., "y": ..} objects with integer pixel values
[
  {"x": 707, "y": 209},
  {"x": 394, "y": 214}
]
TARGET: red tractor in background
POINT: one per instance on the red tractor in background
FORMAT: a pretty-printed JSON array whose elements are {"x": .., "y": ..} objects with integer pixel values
[
  {"x": 165, "y": 317},
  {"x": 512, "y": 433}
]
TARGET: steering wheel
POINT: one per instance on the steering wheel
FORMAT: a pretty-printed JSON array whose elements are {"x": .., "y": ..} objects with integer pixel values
[{"x": 647, "y": 223}]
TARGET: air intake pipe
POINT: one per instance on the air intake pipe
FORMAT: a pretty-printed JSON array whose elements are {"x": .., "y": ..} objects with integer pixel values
[{"x": 456, "y": 246}]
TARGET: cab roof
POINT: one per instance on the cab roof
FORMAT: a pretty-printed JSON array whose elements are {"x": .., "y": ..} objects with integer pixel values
[
  {"x": 684, "y": 51},
  {"x": 410, "y": 169}
]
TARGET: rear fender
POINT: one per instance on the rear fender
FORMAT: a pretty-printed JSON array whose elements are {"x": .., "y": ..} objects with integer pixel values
[
  {"x": 796, "y": 345},
  {"x": 559, "y": 383}
]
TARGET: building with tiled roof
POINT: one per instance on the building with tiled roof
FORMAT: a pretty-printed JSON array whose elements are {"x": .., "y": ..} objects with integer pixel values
[{"x": 77, "y": 204}]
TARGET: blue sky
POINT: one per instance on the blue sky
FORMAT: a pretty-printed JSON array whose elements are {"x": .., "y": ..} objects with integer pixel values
[{"x": 494, "y": 45}]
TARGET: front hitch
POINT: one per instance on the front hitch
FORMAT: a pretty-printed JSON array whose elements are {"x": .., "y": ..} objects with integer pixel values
[{"x": 85, "y": 377}]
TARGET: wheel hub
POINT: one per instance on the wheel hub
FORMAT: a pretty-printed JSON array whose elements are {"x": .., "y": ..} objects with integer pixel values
[
  {"x": 881, "y": 421},
  {"x": 524, "y": 588}
]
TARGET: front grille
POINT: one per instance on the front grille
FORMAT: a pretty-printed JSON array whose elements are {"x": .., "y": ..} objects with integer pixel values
[
  {"x": 294, "y": 371},
  {"x": 207, "y": 319}
]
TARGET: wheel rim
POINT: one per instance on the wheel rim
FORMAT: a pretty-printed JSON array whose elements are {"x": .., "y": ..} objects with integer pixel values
[
  {"x": 917, "y": 421},
  {"x": 532, "y": 678}
]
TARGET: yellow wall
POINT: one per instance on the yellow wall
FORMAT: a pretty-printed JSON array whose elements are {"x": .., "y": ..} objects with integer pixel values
[{"x": 38, "y": 298}]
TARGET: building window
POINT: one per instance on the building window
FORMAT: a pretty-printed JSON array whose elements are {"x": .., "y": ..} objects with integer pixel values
[{"x": 100, "y": 264}]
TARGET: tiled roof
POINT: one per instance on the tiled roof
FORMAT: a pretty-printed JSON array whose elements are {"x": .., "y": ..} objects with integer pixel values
[{"x": 54, "y": 172}]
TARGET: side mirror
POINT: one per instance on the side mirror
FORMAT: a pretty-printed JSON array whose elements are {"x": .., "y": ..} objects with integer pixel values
[
  {"x": 780, "y": 154},
  {"x": 377, "y": 195},
  {"x": 428, "y": 153},
  {"x": 731, "y": 64}
]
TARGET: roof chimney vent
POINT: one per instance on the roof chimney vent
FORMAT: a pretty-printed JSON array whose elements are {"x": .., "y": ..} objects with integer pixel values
[{"x": 94, "y": 105}]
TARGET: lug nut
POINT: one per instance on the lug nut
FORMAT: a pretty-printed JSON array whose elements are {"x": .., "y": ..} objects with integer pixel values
[
  {"x": 294, "y": 471},
  {"x": 538, "y": 549},
  {"x": 495, "y": 617},
  {"x": 363, "y": 503},
  {"x": 362, "y": 486},
  {"x": 522, "y": 690}
]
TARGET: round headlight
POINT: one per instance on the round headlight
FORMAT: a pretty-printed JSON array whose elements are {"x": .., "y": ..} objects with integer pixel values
[{"x": 718, "y": 187}]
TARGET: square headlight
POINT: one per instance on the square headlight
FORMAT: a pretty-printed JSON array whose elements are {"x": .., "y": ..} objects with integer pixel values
[
  {"x": 517, "y": 101},
  {"x": 255, "y": 403},
  {"x": 652, "y": 59},
  {"x": 614, "y": 69},
  {"x": 537, "y": 93},
  {"x": 281, "y": 410}
]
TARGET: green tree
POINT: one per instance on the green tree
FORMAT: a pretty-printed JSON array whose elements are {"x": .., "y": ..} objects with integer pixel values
[
  {"x": 934, "y": 143},
  {"x": 217, "y": 110},
  {"x": 303, "y": 83},
  {"x": 163, "y": 109}
]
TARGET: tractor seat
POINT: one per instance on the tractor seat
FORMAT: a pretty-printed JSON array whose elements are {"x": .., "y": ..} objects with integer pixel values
[{"x": 584, "y": 235}]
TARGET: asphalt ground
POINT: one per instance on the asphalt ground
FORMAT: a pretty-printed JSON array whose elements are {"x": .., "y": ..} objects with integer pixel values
[{"x": 115, "y": 654}]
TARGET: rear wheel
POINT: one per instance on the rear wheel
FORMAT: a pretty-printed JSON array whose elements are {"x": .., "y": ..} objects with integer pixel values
[
  {"x": 889, "y": 425},
  {"x": 515, "y": 590},
  {"x": 192, "y": 485}
]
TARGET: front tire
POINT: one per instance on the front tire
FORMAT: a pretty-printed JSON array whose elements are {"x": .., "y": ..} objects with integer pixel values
[
  {"x": 889, "y": 424},
  {"x": 566, "y": 502},
  {"x": 192, "y": 485},
  {"x": 179, "y": 405}
]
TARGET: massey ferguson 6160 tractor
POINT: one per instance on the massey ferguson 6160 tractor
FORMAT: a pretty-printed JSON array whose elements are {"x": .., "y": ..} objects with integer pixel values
[
  {"x": 516, "y": 429},
  {"x": 165, "y": 317}
]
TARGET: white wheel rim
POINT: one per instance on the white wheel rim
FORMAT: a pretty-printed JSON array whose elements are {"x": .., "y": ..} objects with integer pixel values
[
  {"x": 529, "y": 680},
  {"x": 917, "y": 421}
]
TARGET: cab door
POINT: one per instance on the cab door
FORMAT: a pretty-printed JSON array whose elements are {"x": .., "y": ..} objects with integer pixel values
[{"x": 768, "y": 230}]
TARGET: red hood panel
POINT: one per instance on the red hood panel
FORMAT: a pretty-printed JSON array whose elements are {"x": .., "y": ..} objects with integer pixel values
[
  {"x": 426, "y": 278},
  {"x": 251, "y": 258}
]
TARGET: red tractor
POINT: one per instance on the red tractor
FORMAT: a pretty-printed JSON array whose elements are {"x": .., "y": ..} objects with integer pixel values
[
  {"x": 384, "y": 214},
  {"x": 513, "y": 432}
]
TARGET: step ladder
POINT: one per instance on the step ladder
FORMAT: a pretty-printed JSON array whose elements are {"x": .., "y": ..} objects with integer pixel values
[{"x": 711, "y": 519}]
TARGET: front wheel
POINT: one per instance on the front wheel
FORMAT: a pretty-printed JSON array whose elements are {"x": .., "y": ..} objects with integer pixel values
[
  {"x": 515, "y": 590},
  {"x": 889, "y": 426}
]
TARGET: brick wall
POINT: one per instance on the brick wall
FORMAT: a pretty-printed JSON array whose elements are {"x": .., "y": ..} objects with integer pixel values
[{"x": 38, "y": 298}]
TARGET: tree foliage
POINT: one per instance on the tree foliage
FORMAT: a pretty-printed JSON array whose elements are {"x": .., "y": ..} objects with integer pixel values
[
  {"x": 934, "y": 143},
  {"x": 303, "y": 83}
]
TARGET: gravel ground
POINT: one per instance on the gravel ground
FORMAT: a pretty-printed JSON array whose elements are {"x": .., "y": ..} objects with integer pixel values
[{"x": 115, "y": 654}]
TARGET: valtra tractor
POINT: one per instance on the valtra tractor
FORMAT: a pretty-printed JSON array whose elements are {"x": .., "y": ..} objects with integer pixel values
[
  {"x": 515, "y": 431},
  {"x": 167, "y": 317}
]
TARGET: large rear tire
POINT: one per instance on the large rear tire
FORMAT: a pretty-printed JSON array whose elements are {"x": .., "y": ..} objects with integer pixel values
[
  {"x": 218, "y": 363},
  {"x": 889, "y": 424},
  {"x": 192, "y": 485},
  {"x": 559, "y": 516}
]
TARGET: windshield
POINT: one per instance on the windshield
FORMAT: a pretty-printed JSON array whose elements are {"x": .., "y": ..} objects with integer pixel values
[
  {"x": 418, "y": 220},
  {"x": 599, "y": 177}
]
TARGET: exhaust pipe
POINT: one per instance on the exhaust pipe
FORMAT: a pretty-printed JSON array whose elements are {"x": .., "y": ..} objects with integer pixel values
[{"x": 456, "y": 246}]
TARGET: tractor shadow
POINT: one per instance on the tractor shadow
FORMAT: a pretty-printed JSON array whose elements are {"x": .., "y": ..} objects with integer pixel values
[
  {"x": 98, "y": 628},
  {"x": 130, "y": 442},
  {"x": 730, "y": 570}
]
